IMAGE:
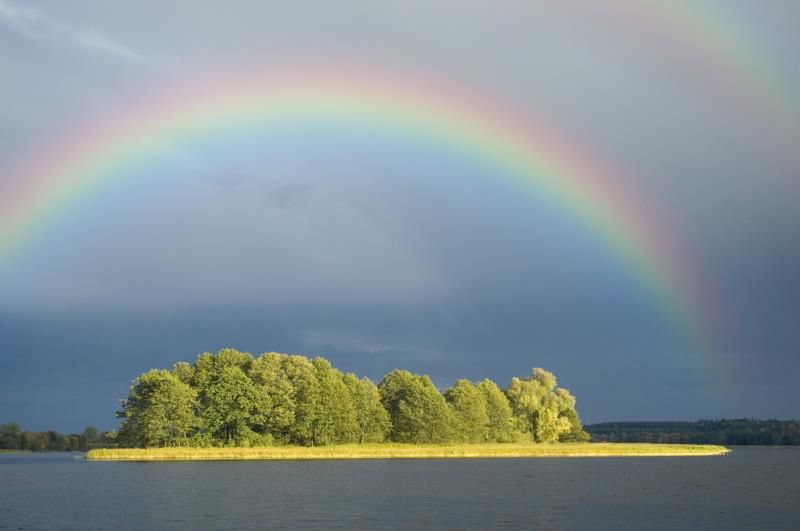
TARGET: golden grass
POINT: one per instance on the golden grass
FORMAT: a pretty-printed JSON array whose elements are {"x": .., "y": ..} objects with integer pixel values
[{"x": 407, "y": 451}]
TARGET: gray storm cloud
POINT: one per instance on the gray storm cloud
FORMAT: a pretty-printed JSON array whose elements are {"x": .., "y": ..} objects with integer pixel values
[{"x": 374, "y": 251}]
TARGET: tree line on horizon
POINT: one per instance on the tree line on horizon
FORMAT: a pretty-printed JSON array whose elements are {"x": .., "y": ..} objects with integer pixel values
[
  {"x": 770, "y": 432},
  {"x": 12, "y": 437},
  {"x": 233, "y": 399}
]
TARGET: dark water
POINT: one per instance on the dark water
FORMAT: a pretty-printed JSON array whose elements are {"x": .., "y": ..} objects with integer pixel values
[{"x": 752, "y": 488}]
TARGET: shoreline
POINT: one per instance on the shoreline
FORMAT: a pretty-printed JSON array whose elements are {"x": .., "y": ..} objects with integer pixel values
[{"x": 408, "y": 451}]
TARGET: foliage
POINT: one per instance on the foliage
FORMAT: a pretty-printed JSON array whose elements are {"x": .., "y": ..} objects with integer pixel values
[
  {"x": 500, "y": 427},
  {"x": 418, "y": 412},
  {"x": 231, "y": 404},
  {"x": 468, "y": 405},
  {"x": 541, "y": 409},
  {"x": 723, "y": 431},
  {"x": 335, "y": 419},
  {"x": 372, "y": 420},
  {"x": 268, "y": 374},
  {"x": 159, "y": 411},
  {"x": 302, "y": 376},
  {"x": 231, "y": 399},
  {"x": 12, "y": 437}
]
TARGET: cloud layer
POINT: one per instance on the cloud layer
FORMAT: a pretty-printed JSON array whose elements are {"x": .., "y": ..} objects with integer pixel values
[{"x": 380, "y": 251}]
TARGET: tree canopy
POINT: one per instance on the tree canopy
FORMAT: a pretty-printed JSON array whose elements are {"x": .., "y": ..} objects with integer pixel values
[
  {"x": 12, "y": 437},
  {"x": 770, "y": 432},
  {"x": 231, "y": 398}
]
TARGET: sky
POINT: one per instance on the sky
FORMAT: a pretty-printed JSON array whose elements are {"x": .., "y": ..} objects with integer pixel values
[{"x": 381, "y": 250}]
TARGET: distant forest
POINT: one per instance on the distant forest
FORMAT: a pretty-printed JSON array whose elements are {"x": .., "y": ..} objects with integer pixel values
[
  {"x": 234, "y": 399},
  {"x": 13, "y": 438},
  {"x": 725, "y": 431}
]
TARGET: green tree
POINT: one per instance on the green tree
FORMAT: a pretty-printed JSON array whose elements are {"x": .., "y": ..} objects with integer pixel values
[
  {"x": 536, "y": 406},
  {"x": 91, "y": 434},
  {"x": 470, "y": 420},
  {"x": 206, "y": 365},
  {"x": 35, "y": 442},
  {"x": 159, "y": 411},
  {"x": 231, "y": 398},
  {"x": 267, "y": 372},
  {"x": 372, "y": 421},
  {"x": 335, "y": 420},
  {"x": 566, "y": 410},
  {"x": 302, "y": 376},
  {"x": 500, "y": 427},
  {"x": 417, "y": 410},
  {"x": 10, "y": 436},
  {"x": 230, "y": 403},
  {"x": 576, "y": 432},
  {"x": 184, "y": 372}
]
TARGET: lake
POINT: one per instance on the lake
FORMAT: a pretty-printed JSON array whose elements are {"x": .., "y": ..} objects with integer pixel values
[{"x": 751, "y": 488}]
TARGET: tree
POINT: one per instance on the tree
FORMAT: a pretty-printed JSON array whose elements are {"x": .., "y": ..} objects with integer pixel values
[
  {"x": 184, "y": 372},
  {"x": 230, "y": 404},
  {"x": 231, "y": 398},
  {"x": 394, "y": 389},
  {"x": 267, "y": 372},
  {"x": 500, "y": 427},
  {"x": 208, "y": 365},
  {"x": 372, "y": 421},
  {"x": 302, "y": 376},
  {"x": 159, "y": 411},
  {"x": 10, "y": 436},
  {"x": 576, "y": 432},
  {"x": 536, "y": 405},
  {"x": 418, "y": 412},
  {"x": 566, "y": 410},
  {"x": 335, "y": 419},
  {"x": 470, "y": 420},
  {"x": 35, "y": 442},
  {"x": 90, "y": 435}
]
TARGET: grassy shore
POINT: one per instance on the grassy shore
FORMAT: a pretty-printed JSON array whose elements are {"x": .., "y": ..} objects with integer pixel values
[{"x": 407, "y": 451}]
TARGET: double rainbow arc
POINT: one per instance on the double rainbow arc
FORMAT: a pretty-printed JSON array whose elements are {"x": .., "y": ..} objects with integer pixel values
[{"x": 726, "y": 56}]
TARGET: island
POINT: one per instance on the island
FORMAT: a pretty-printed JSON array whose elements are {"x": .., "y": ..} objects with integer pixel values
[{"x": 232, "y": 405}]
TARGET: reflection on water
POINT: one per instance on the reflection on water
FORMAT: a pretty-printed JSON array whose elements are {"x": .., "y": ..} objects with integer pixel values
[{"x": 752, "y": 488}]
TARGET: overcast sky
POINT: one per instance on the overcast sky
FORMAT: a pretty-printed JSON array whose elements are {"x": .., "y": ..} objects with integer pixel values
[{"x": 380, "y": 252}]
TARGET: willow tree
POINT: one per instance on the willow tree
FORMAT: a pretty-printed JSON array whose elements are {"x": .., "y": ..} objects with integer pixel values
[
  {"x": 536, "y": 405},
  {"x": 566, "y": 409}
]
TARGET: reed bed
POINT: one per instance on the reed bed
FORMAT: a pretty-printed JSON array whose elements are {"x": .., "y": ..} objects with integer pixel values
[{"x": 407, "y": 451}]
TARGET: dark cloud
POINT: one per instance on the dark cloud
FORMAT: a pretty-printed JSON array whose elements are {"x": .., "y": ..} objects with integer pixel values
[
  {"x": 382, "y": 252},
  {"x": 65, "y": 369}
]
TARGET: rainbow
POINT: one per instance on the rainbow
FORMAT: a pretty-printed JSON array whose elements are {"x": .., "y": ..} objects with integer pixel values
[
  {"x": 719, "y": 54},
  {"x": 523, "y": 150}
]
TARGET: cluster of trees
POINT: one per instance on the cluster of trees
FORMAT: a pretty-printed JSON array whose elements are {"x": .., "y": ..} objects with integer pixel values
[
  {"x": 13, "y": 438},
  {"x": 724, "y": 431},
  {"x": 232, "y": 398}
]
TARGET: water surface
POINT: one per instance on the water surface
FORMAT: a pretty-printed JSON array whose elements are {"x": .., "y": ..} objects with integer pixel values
[{"x": 751, "y": 488}]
